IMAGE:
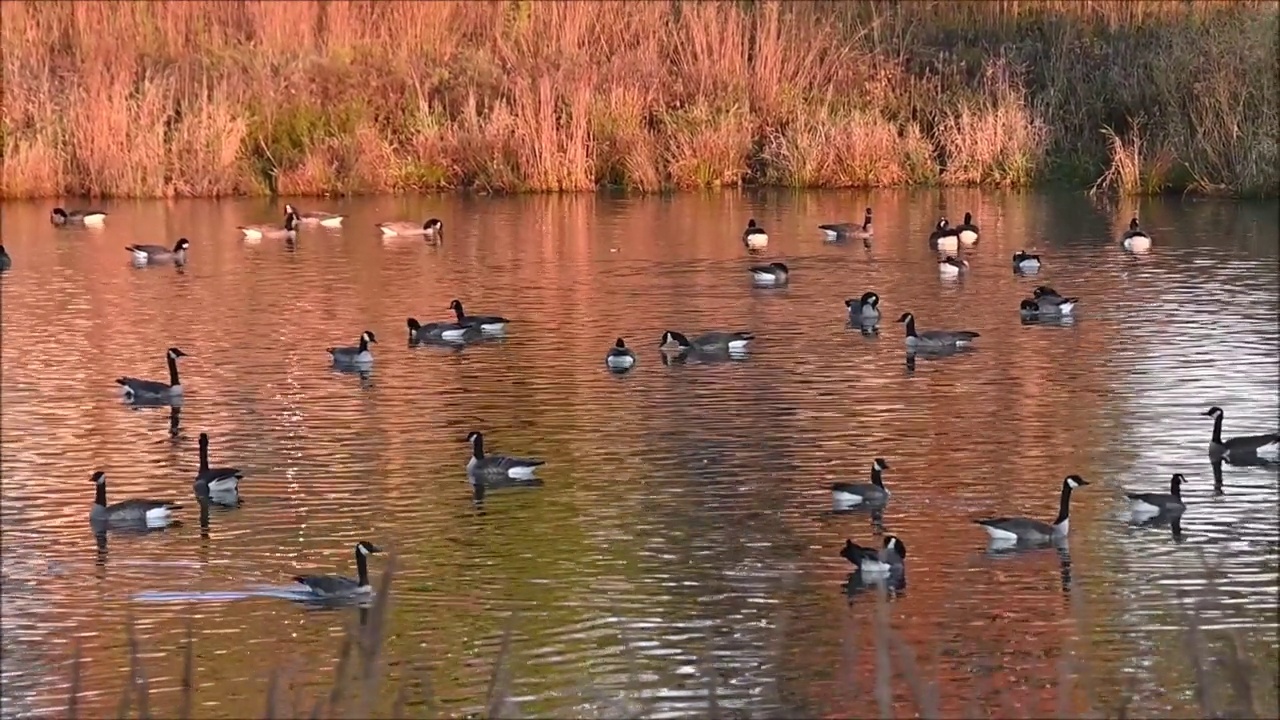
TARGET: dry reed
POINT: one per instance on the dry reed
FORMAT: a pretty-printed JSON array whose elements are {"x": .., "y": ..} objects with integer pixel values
[{"x": 207, "y": 98}]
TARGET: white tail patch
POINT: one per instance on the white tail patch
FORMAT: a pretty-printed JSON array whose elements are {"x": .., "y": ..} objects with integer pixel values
[
  {"x": 455, "y": 334},
  {"x": 332, "y": 222},
  {"x": 620, "y": 361},
  {"x": 874, "y": 567},
  {"x": 948, "y": 243},
  {"x": 493, "y": 327},
  {"x": 388, "y": 231},
  {"x": 1067, "y": 308},
  {"x": 522, "y": 472},
  {"x": 224, "y": 485},
  {"x": 757, "y": 241},
  {"x": 968, "y": 237},
  {"x": 738, "y": 345},
  {"x": 831, "y": 235},
  {"x": 1000, "y": 534},
  {"x": 846, "y": 498},
  {"x": 764, "y": 278},
  {"x": 1137, "y": 243},
  {"x": 251, "y": 233},
  {"x": 1270, "y": 451},
  {"x": 948, "y": 270},
  {"x": 140, "y": 257},
  {"x": 95, "y": 219},
  {"x": 158, "y": 516}
]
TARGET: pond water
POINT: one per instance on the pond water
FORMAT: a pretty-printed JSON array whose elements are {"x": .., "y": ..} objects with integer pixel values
[{"x": 685, "y": 527}]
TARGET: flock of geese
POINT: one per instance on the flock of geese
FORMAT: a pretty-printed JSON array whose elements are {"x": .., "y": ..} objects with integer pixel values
[{"x": 220, "y": 485}]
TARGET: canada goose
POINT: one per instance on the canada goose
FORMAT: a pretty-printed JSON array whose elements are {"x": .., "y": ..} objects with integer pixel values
[
  {"x": 873, "y": 493},
  {"x": 272, "y": 232},
  {"x": 865, "y": 308},
  {"x": 354, "y": 355},
  {"x": 935, "y": 338},
  {"x": 1025, "y": 530},
  {"x": 90, "y": 218},
  {"x": 708, "y": 342},
  {"x": 159, "y": 254},
  {"x": 944, "y": 238},
  {"x": 432, "y": 230},
  {"x": 775, "y": 273},
  {"x": 967, "y": 231},
  {"x": 1134, "y": 239},
  {"x": 754, "y": 237},
  {"x": 487, "y": 323},
  {"x": 841, "y": 231},
  {"x": 876, "y": 562},
  {"x": 452, "y": 332},
  {"x": 620, "y": 357},
  {"x": 135, "y": 389},
  {"x": 5, "y": 261},
  {"x": 1050, "y": 302},
  {"x": 330, "y": 586},
  {"x": 214, "y": 481},
  {"x": 323, "y": 219},
  {"x": 140, "y": 512},
  {"x": 952, "y": 267},
  {"x": 498, "y": 466},
  {"x": 1245, "y": 448},
  {"x": 1147, "y": 503},
  {"x": 1025, "y": 262}
]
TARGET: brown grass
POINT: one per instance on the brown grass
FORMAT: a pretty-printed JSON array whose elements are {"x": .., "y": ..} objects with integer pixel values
[{"x": 207, "y": 98}]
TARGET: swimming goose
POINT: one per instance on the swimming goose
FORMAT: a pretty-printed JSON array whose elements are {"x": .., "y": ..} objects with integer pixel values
[
  {"x": 708, "y": 342},
  {"x": 1134, "y": 239},
  {"x": 331, "y": 586},
  {"x": 967, "y": 231},
  {"x": 135, "y": 389},
  {"x": 1049, "y": 302},
  {"x": 876, "y": 562},
  {"x": 952, "y": 267},
  {"x": 754, "y": 237},
  {"x": 1025, "y": 530},
  {"x": 1265, "y": 447},
  {"x": 354, "y": 355},
  {"x": 214, "y": 481},
  {"x": 323, "y": 219},
  {"x": 487, "y": 323},
  {"x": 620, "y": 357},
  {"x": 498, "y": 466},
  {"x": 272, "y": 232},
  {"x": 91, "y": 218},
  {"x": 1146, "y": 503},
  {"x": 5, "y": 261},
  {"x": 775, "y": 273},
  {"x": 159, "y": 254},
  {"x": 432, "y": 230},
  {"x": 865, "y": 308},
  {"x": 1025, "y": 262},
  {"x": 841, "y": 231},
  {"x": 935, "y": 338},
  {"x": 453, "y": 332},
  {"x": 873, "y": 493},
  {"x": 149, "y": 512},
  {"x": 944, "y": 238}
]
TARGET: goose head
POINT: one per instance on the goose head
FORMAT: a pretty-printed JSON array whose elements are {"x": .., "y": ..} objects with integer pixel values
[
  {"x": 291, "y": 220},
  {"x": 1214, "y": 412},
  {"x": 942, "y": 223},
  {"x": 1029, "y": 306},
  {"x": 368, "y": 336},
  {"x": 99, "y": 477},
  {"x": 174, "y": 353},
  {"x": 474, "y": 436},
  {"x": 906, "y": 317},
  {"x": 413, "y": 324},
  {"x": 433, "y": 225},
  {"x": 204, "y": 441},
  {"x": 1133, "y": 224},
  {"x": 780, "y": 267},
  {"x": 620, "y": 344},
  {"x": 880, "y": 464},
  {"x": 58, "y": 216},
  {"x": 366, "y": 548},
  {"x": 1074, "y": 481},
  {"x": 751, "y": 224},
  {"x": 456, "y": 306},
  {"x": 182, "y": 245},
  {"x": 1043, "y": 290},
  {"x": 290, "y": 210},
  {"x": 968, "y": 218},
  {"x": 891, "y": 542},
  {"x": 671, "y": 336},
  {"x": 870, "y": 298}
]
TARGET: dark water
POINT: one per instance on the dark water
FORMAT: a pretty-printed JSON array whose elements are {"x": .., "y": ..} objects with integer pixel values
[{"x": 685, "y": 527}]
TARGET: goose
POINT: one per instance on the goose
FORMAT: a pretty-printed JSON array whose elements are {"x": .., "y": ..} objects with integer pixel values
[
  {"x": 354, "y": 355},
  {"x": 754, "y": 237},
  {"x": 841, "y": 231},
  {"x": 1025, "y": 262},
  {"x": 708, "y": 342},
  {"x": 876, "y": 562},
  {"x": 620, "y": 357},
  {"x": 214, "y": 481},
  {"x": 1025, "y": 530},
  {"x": 1049, "y": 302},
  {"x": 935, "y": 338},
  {"x": 498, "y": 466},
  {"x": 952, "y": 267},
  {"x": 1265, "y": 447},
  {"x": 1148, "y": 503},
  {"x": 487, "y": 323},
  {"x": 944, "y": 238},
  {"x": 1134, "y": 239},
  {"x": 135, "y": 389},
  {"x": 967, "y": 231},
  {"x": 137, "y": 511},
  {"x": 873, "y": 493},
  {"x": 5, "y": 261},
  {"x": 432, "y": 230},
  {"x": 333, "y": 586},
  {"x": 453, "y": 332},
  {"x": 90, "y": 218},
  {"x": 159, "y": 254},
  {"x": 865, "y": 308},
  {"x": 775, "y": 273},
  {"x": 323, "y": 219},
  {"x": 272, "y": 232}
]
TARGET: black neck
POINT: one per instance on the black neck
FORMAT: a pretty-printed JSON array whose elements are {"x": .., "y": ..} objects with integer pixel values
[
  {"x": 875, "y": 476},
  {"x": 173, "y": 370},
  {"x": 364, "y": 344},
  {"x": 1175, "y": 487},
  {"x": 204, "y": 457},
  {"x": 458, "y": 310},
  {"x": 866, "y": 221},
  {"x": 362, "y": 569},
  {"x": 1217, "y": 428},
  {"x": 911, "y": 327},
  {"x": 1064, "y": 505},
  {"x": 100, "y": 498},
  {"x": 477, "y": 448}
]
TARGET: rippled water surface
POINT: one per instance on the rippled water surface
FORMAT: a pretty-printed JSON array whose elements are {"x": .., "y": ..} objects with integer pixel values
[{"x": 685, "y": 529}]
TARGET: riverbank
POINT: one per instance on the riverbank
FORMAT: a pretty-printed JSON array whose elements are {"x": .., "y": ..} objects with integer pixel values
[{"x": 205, "y": 99}]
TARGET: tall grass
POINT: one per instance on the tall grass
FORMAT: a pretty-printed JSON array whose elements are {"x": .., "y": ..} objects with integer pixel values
[{"x": 209, "y": 98}]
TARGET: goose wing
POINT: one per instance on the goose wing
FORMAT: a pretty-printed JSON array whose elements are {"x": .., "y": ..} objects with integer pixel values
[
  {"x": 1252, "y": 443},
  {"x": 856, "y": 553},
  {"x": 328, "y": 584},
  {"x": 148, "y": 249},
  {"x": 220, "y": 478},
  {"x": 1154, "y": 499},
  {"x": 485, "y": 320},
  {"x": 843, "y": 228},
  {"x": 143, "y": 387},
  {"x": 401, "y": 227},
  {"x": 506, "y": 462},
  {"x": 343, "y": 352},
  {"x": 948, "y": 336},
  {"x": 1018, "y": 525}
]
